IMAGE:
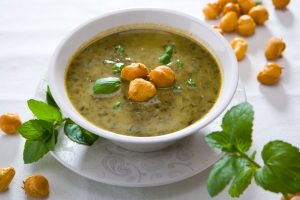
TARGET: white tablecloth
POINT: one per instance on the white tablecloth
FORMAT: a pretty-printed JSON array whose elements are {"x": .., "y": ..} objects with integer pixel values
[{"x": 30, "y": 31}]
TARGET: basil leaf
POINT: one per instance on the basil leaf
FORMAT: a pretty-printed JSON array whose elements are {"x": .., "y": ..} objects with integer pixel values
[
  {"x": 238, "y": 122},
  {"x": 78, "y": 134},
  {"x": 34, "y": 150},
  {"x": 191, "y": 83},
  {"x": 34, "y": 129},
  {"x": 241, "y": 181},
  {"x": 120, "y": 49},
  {"x": 44, "y": 111},
  {"x": 107, "y": 85},
  {"x": 221, "y": 174},
  {"x": 50, "y": 99},
  {"x": 219, "y": 140},
  {"x": 117, "y": 68},
  {"x": 165, "y": 58},
  {"x": 281, "y": 170}
]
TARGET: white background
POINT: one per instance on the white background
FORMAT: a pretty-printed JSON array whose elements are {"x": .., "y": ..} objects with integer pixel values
[{"x": 29, "y": 33}]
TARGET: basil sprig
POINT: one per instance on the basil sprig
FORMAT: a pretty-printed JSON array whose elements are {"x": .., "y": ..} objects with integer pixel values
[
  {"x": 280, "y": 172},
  {"x": 106, "y": 85},
  {"x": 41, "y": 133}
]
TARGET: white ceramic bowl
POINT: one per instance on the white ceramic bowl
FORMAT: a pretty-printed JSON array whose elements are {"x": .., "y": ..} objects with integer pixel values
[{"x": 200, "y": 31}]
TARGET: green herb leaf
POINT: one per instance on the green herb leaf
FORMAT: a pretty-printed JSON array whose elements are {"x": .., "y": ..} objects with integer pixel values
[
  {"x": 78, "y": 134},
  {"x": 34, "y": 150},
  {"x": 191, "y": 83},
  {"x": 221, "y": 174},
  {"x": 238, "y": 122},
  {"x": 51, "y": 142},
  {"x": 258, "y": 3},
  {"x": 281, "y": 170},
  {"x": 50, "y": 99},
  {"x": 107, "y": 85},
  {"x": 117, "y": 106},
  {"x": 44, "y": 111},
  {"x": 120, "y": 49},
  {"x": 179, "y": 64},
  {"x": 241, "y": 181},
  {"x": 34, "y": 129},
  {"x": 165, "y": 58},
  {"x": 176, "y": 89},
  {"x": 220, "y": 140},
  {"x": 117, "y": 68}
]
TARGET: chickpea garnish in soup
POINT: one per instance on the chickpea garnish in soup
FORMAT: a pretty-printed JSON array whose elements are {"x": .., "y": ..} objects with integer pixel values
[
  {"x": 162, "y": 76},
  {"x": 141, "y": 90},
  {"x": 133, "y": 71}
]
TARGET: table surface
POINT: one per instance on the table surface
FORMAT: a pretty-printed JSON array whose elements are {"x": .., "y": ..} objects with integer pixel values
[{"x": 29, "y": 33}]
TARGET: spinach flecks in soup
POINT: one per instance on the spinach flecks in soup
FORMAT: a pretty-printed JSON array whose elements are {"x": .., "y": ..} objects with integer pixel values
[{"x": 195, "y": 91}]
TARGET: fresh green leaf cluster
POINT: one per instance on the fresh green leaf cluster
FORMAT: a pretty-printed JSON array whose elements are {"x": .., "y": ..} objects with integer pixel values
[
  {"x": 281, "y": 170},
  {"x": 106, "y": 85},
  {"x": 166, "y": 56},
  {"x": 41, "y": 133}
]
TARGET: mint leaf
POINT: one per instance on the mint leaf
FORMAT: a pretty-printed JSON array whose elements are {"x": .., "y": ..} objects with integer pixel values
[
  {"x": 44, "y": 111},
  {"x": 34, "y": 129},
  {"x": 221, "y": 174},
  {"x": 238, "y": 122},
  {"x": 219, "y": 140},
  {"x": 241, "y": 181},
  {"x": 78, "y": 134},
  {"x": 34, "y": 150},
  {"x": 49, "y": 98},
  {"x": 51, "y": 142},
  {"x": 106, "y": 85},
  {"x": 281, "y": 172}
]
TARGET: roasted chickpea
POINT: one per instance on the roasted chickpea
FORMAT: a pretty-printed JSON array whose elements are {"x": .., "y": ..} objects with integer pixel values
[
  {"x": 239, "y": 46},
  {"x": 228, "y": 22},
  {"x": 36, "y": 186},
  {"x": 293, "y": 196},
  {"x": 6, "y": 176},
  {"x": 231, "y": 7},
  {"x": 246, "y": 25},
  {"x": 217, "y": 28},
  {"x": 162, "y": 76},
  {"x": 270, "y": 74},
  {"x": 133, "y": 71},
  {"x": 246, "y": 5},
  {"x": 141, "y": 90},
  {"x": 212, "y": 10},
  {"x": 280, "y": 4},
  {"x": 222, "y": 3},
  {"x": 259, "y": 14},
  {"x": 274, "y": 48},
  {"x": 10, "y": 122}
]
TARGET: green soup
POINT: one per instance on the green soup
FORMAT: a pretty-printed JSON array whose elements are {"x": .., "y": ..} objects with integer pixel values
[{"x": 197, "y": 86}]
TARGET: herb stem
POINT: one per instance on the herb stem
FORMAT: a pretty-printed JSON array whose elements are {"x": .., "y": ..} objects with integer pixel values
[
  {"x": 249, "y": 159},
  {"x": 286, "y": 197}
]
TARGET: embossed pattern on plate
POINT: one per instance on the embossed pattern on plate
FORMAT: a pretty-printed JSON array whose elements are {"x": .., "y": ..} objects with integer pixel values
[{"x": 107, "y": 163}]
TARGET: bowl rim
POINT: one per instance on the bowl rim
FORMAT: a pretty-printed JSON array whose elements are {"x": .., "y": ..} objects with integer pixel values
[{"x": 149, "y": 139}]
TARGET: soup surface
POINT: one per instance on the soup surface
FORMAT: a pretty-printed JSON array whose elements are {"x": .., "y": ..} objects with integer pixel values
[{"x": 197, "y": 86}]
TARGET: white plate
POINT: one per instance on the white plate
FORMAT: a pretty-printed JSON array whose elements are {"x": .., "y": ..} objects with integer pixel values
[{"x": 107, "y": 163}]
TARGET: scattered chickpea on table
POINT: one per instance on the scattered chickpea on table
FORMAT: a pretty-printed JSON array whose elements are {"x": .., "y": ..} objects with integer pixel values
[
  {"x": 274, "y": 48},
  {"x": 10, "y": 122},
  {"x": 6, "y": 176},
  {"x": 270, "y": 74},
  {"x": 239, "y": 46},
  {"x": 246, "y": 25},
  {"x": 36, "y": 186}
]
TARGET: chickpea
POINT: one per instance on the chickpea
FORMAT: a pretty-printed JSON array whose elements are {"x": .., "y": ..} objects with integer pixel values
[
  {"x": 36, "y": 186},
  {"x": 231, "y": 7},
  {"x": 133, "y": 71},
  {"x": 217, "y": 28},
  {"x": 212, "y": 10},
  {"x": 270, "y": 74},
  {"x": 259, "y": 14},
  {"x": 162, "y": 76},
  {"x": 228, "y": 22},
  {"x": 141, "y": 90},
  {"x": 6, "y": 176},
  {"x": 246, "y": 5},
  {"x": 10, "y": 122},
  {"x": 239, "y": 46},
  {"x": 293, "y": 196},
  {"x": 222, "y": 3},
  {"x": 246, "y": 25},
  {"x": 280, "y": 4},
  {"x": 274, "y": 48}
]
